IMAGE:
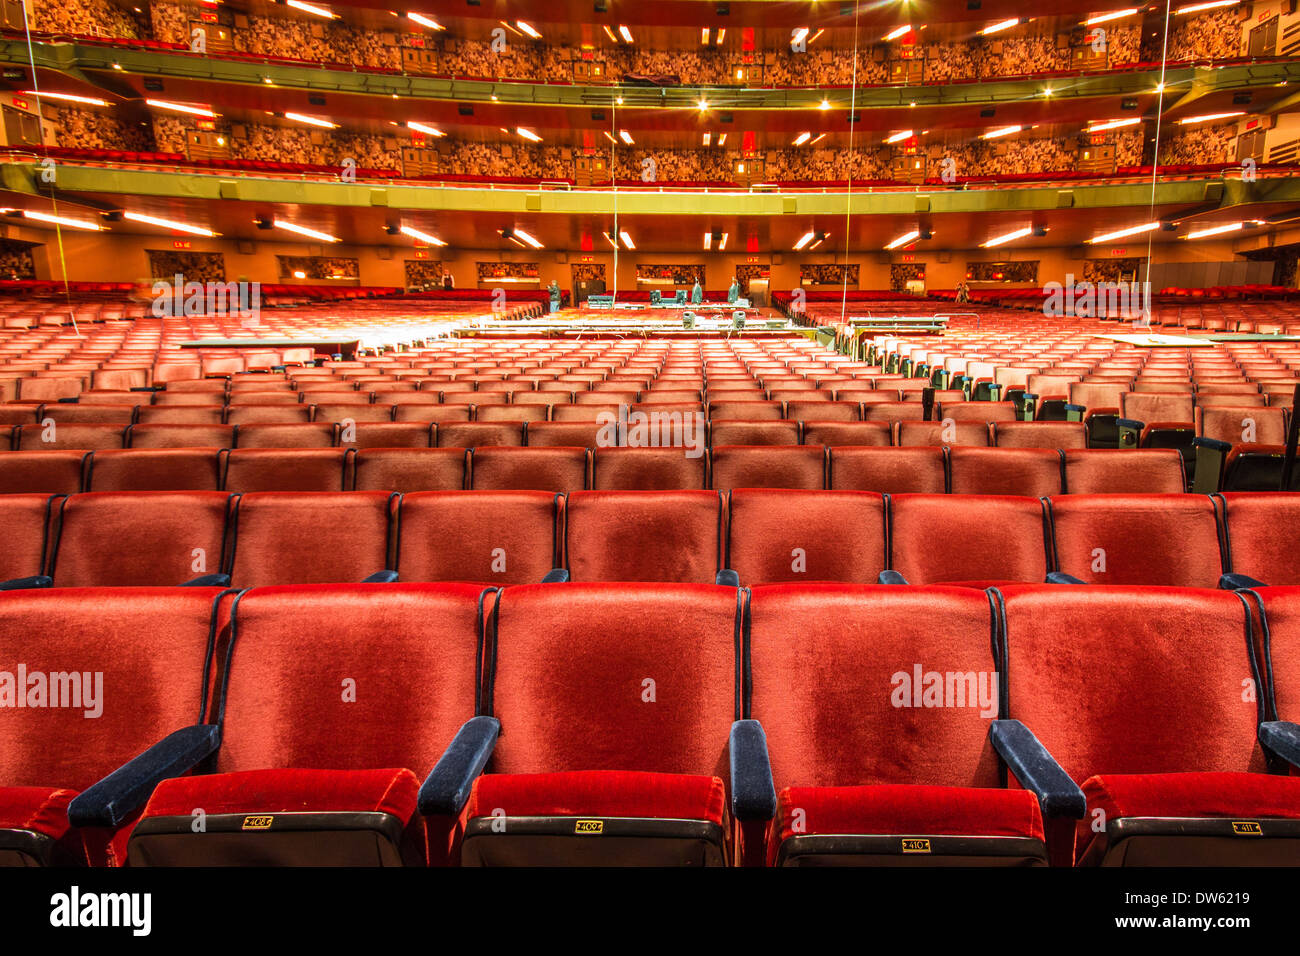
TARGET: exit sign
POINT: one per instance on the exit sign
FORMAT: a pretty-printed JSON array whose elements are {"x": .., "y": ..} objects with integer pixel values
[
  {"x": 181, "y": 243},
  {"x": 421, "y": 254},
  {"x": 21, "y": 104},
  {"x": 1118, "y": 252}
]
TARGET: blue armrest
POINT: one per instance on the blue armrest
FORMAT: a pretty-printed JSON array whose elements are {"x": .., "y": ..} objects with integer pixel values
[
  {"x": 381, "y": 577},
  {"x": 1283, "y": 738},
  {"x": 556, "y": 576},
  {"x": 753, "y": 795},
  {"x": 727, "y": 578},
  {"x": 125, "y": 790},
  {"x": 1060, "y": 577},
  {"x": 1238, "y": 582},
  {"x": 890, "y": 577},
  {"x": 446, "y": 789},
  {"x": 25, "y": 584},
  {"x": 208, "y": 581},
  {"x": 1037, "y": 770}
]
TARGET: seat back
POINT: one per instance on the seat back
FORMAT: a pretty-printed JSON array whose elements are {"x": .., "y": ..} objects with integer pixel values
[
  {"x": 968, "y": 538},
  {"x": 25, "y": 519},
  {"x": 496, "y": 537},
  {"x": 776, "y": 535},
  {"x": 1262, "y": 532},
  {"x": 888, "y": 471},
  {"x": 775, "y": 466},
  {"x": 643, "y": 535}
]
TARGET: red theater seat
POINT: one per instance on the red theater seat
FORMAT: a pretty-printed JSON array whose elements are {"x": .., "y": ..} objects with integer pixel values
[
  {"x": 308, "y": 538},
  {"x": 888, "y": 471},
  {"x": 211, "y": 415},
  {"x": 348, "y": 766},
  {"x": 976, "y": 540},
  {"x": 650, "y": 774},
  {"x": 777, "y": 534},
  {"x": 1170, "y": 540},
  {"x": 139, "y": 539},
  {"x": 494, "y": 537},
  {"x": 1165, "y": 753},
  {"x": 529, "y": 469},
  {"x": 1129, "y": 471},
  {"x": 1262, "y": 533},
  {"x": 148, "y": 681},
  {"x": 411, "y": 469},
  {"x": 1040, "y": 435},
  {"x": 754, "y": 433},
  {"x": 268, "y": 414},
  {"x": 777, "y": 466},
  {"x": 42, "y": 472},
  {"x": 570, "y": 434},
  {"x": 295, "y": 469},
  {"x": 50, "y": 436},
  {"x": 941, "y": 433},
  {"x": 898, "y": 782},
  {"x": 164, "y": 469},
  {"x": 1004, "y": 471},
  {"x": 846, "y": 433},
  {"x": 25, "y": 519},
  {"x": 643, "y": 535},
  {"x": 479, "y": 434},
  {"x": 648, "y": 469},
  {"x": 180, "y": 436},
  {"x": 288, "y": 435},
  {"x": 385, "y": 435}
]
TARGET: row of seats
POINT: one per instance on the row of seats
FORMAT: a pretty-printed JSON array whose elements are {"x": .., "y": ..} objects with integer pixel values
[
  {"x": 884, "y": 469},
  {"x": 424, "y": 434},
  {"x": 794, "y": 725},
  {"x": 763, "y": 535}
]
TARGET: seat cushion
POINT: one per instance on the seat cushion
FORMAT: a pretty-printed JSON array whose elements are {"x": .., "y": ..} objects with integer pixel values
[
  {"x": 600, "y": 793},
  {"x": 1248, "y": 795},
  {"x": 288, "y": 791},
  {"x": 903, "y": 810}
]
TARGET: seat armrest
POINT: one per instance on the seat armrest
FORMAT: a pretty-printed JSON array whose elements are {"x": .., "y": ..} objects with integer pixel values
[
  {"x": 1037, "y": 770},
  {"x": 1282, "y": 738},
  {"x": 25, "y": 584},
  {"x": 446, "y": 790},
  {"x": 556, "y": 576},
  {"x": 208, "y": 581},
  {"x": 1060, "y": 577},
  {"x": 1238, "y": 582},
  {"x": 124, "y": 791},
  {"x": 381, "y": 577},
  {"x": 753, "y": 794},
  {"x": 890, "y": 577},
  {"x": 727, "y": 578}
]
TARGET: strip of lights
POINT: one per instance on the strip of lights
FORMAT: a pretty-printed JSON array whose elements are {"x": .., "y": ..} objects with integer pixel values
[
  {"x": 168, "y": 224},
  {"x": 311, "y": 120},
  {"x": 181, "y": 108},
  {"x": 722, "y": 243},
  {"x": 802, "y": 138},
  {"x": 528, "y": 134},
  {"x": 68, "y": 97},
  {"x": 902, "y": 31},
  {"x": 1000, "y": 26},
  {"x": 806, "y": 238},
  {"x": 62, "y": 220},
  {"x": 1113, "y": 124},
  {"x": 1003, "y": 131},
  {"x": 424, "y": 237},
  {"x": 1125, "y": 233},
  {"x": 1009, "y": 237},
  {"x": 627, "y": 240},
  {"x": 306, "y": 7},
  {"x": 899, "y": 136},
  {"x": 1215, "y": 230},
  {"x": 1199, "y": 7},
  {"x": 529, "y": 29},
  {"x": 904, "y": 239},
  {"x": 424, "y": 21},
  {"x": 1108, "y": 17},
  {"x": 626, "y": 137},
  {"x": 304, "y": 231},
  {"x": 1209, "y": 117},
  {"x": 625, "y": 33},
  {"x": 532, "y": 241},
  {"x": 422, "y": 128}
]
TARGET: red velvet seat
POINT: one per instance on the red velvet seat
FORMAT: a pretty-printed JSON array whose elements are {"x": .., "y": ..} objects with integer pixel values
[
  {"x": 1127, "y": 471},
  {"x": 411, "y": 469},
  {"x": 479, "y": 434},
  {"x": 308, "y": 538},
  {"x": 572, "y": 434},
  {"x": 754, "y": 433},
  {"x": 1040, "y": 435},
  {"x": 139, "y": 539},
  {"x": 1261, "y": 530},
  {"x": 643, "y": 535},
  {"x": 888, "y": 470},
  {"x": 846, "y": 433},
  {"x": 42, "y": 472},
  {"x": 976, "y": 540},
  {"x": 70, "y": 435},
  {"x": 1165, "y": 753},
  {"x": 1004, "y": 471},
  {"x": 606, "y": 772},
  {"x": 335, "y": 784},
  {"x": 951, "y": 432},
  {"x": 49, "y": 754},
  {"x": 385, "y": 435},
  {"x": 496, "y": 537},
  {"x": 166, "y": 435},
  {"x": 1170, "y": 540},
  {"x": 649, "y": 469},
  {"x": 904, "y": 779},
  {"x": 287, "y": 435},
  {"x": 161, "y": 469},
  {"x": 776, "y": 466},
  {"x": 506, "y": 468},
  {"x": 781, "y": 535},
  {"x": 25, "y": 519},
  {"x": 277, "y": 469}
]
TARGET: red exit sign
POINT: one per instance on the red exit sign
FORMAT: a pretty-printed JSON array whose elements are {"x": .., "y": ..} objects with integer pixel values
[
  {"x": 586, "y": 258},
  {"x": 1118, "y": 252},
  {"x": 21, "y": 104},
  {"x": 181, "y": 243}
]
